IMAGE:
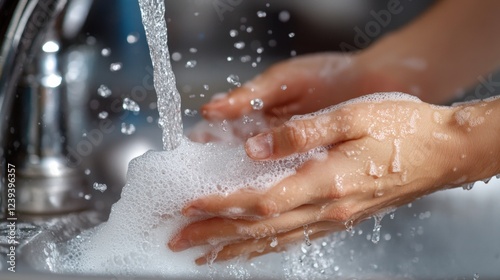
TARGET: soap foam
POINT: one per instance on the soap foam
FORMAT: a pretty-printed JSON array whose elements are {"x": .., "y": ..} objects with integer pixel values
[{"x": 159, "y": 184}]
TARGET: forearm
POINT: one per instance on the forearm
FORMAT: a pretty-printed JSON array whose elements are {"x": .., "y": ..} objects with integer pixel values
[{"x": 443, "y": 51}]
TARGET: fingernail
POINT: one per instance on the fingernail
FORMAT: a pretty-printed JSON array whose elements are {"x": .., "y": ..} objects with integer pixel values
[
  {"x": 260, "y": 146},
  {"x": 179, "y": 245},
  {"x": 192, "y": 211},
  {"x": 218, "y": 97},
  {"x": 201, "y": 261}
]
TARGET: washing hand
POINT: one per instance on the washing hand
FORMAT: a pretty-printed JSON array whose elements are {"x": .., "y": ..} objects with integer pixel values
[
  {"x": 301, "y": 85},
  {"x": 296, "y": 86},
  {"x": 381, "y": 154}
]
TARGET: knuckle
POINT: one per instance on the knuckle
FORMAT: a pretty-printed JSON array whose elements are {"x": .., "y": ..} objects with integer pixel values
[
  {"x": 266, "y": 208},
  {"x": 338, "y": 214},
  {"x": 335, "y": 192},
  {"x": 296, "y": 135},
  {"x": 261, "y": 230}
]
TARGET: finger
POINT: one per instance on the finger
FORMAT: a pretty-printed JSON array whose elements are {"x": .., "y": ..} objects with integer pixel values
[
  {"x": 303, "y": 134},
  {"x": 255, "y": 247},
  {"x": 279, "y": 85},
  {"x": 313, "y": 183},
  {"x": 218, "y": 230}
]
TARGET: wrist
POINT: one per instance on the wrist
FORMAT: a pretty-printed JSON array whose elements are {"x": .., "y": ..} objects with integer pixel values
[
  {"x": 477, "y": 152},
  {"x": 392, "y": 65}
]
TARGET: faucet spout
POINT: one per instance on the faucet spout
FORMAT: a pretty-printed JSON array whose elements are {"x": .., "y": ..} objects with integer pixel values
[{"x": 33, "y": 128}]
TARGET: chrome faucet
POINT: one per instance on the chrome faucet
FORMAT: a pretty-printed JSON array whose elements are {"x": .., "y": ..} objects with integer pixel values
[{"x": 33, "y": 106}]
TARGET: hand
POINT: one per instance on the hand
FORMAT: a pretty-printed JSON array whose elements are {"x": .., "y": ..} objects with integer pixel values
[
  {"x": 303, "y": 85},
  {"x": 382, "y": 154}
]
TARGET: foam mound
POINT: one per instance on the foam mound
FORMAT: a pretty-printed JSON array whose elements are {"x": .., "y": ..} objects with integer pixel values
[{"x": 159, "y": 183}]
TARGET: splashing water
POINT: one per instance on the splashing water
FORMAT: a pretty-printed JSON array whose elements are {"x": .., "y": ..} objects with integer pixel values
[
  {"x": 376, "y": 228},
  {"x": 169, "y": 100}
]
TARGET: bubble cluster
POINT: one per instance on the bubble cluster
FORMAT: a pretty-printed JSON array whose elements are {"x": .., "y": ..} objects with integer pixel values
[{"x": 159, "y": 184}]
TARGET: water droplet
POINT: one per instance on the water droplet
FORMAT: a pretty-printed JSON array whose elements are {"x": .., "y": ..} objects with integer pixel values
[
  {"x": 149, "y": 119},
  {"x": 376, "y": 228},
  {"x": 193, "y": 50},
  {"x": 229, "y": 58},
  {"x": 283, "y": 87},
  {"x": 234, "y": 80},
  {"x": 191, "y": 64},
  {"x": 233, "y": 33},
  {"x": 91, "y": 40},
  {"x": 115, "y": 66},
  {"x": 176, "y": 56},
  {"x": 130, "y": 105},
  {"x": 132, "y": 38},
  {"x": 247, "y": 119},
  {"x": 87, "y": 197},
  {"x": 106, "y": 52},
  {"x": 349, "y": 227},
  {"x": 272, "y": 43},
  {"x": 291, "y": 35},
  {"x": 190, "y": 113},
  {"x": 239, "y": 45},
  {"x": 307, "y": 231},
  {"x": 260, "y": 50},
  {"x": 257, "y": 103},
  {"x": 476, "y": 276},
  {"x": 284, "y": 16},
  {"x": 206, "y": 87},
  {"x": 468, "y": 186},
  {"x": 487, "y": 180},
  {"x": 261, "y": 14},
  {"x": 104, "y": 91},
  {"x": 100, "y": 187},
  {"x": 249, "y": 29},
  {"x": 293, "y": 53},
  {"x": 87, "y": 171},
  {"x": 274, "y": 242},
  {"x": 127, "y": 129},
  {"x": 103, "y": 115},
  {"x": 245, "y": 58}
]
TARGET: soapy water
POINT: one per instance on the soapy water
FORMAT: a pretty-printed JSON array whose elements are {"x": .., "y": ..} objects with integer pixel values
[{"x": 159, "y": 184}]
